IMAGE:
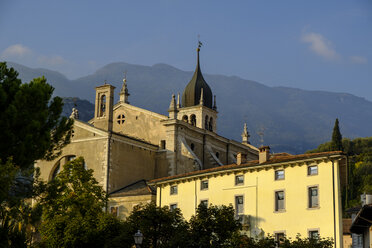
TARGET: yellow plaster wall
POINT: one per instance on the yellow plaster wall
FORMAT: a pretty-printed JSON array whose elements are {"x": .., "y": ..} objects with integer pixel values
[{"x": 296, "y": 218}]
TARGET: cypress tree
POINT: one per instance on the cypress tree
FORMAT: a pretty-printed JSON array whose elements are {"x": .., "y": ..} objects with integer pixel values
[{"x": 336, "y": 144}]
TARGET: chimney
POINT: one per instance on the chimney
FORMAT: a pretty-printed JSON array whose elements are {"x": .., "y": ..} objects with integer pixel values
[
  {"x": 241, "y": 158},
  {"x": 264, "y": 154}
]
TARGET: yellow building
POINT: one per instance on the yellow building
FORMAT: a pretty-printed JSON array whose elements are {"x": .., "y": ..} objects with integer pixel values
[{"x": 278, "y": 195}]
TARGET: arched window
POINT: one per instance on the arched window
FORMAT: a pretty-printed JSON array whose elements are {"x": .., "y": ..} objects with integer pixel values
[
  {"x": 206, "y": 122},
  {"x": 192, "y": 146},
  {"x": 56, "y": 170},
  {"x": 193, "y": 120},
  {"x": 103, "y": 105},
  {"x": 185, "y": 118},
  {"x": 211, "y": 124}
]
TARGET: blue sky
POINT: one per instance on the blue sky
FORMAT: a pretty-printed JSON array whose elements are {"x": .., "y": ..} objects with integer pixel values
[{"x": 315, "y": 45}]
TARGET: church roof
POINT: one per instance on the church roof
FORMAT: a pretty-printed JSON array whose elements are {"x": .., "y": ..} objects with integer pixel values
[
  {"x": 192, "y": 92},
  {"x": 137, "y": 188}
]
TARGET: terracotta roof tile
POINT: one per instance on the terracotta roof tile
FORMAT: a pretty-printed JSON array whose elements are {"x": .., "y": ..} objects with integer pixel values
[{"x": 253, "y": 163}]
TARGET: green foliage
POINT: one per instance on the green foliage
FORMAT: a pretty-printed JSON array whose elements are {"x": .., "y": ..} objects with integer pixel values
[
  {"x": 72, "y": 210},
  {"x": 17, "y": 216},
  {"x": 336, "y": 144},
  {"x": 213, "y": 226},
  {"x": 359, "y": 153},
  {"x": 30, "y": 122},
  {"x": 243, "y": 241},
  {"x": 160, "y": 226}
]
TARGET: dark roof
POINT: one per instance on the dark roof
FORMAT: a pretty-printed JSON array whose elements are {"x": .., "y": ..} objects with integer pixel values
[
  {"x": 363, "y": 220},
  {"x": 192, "y": 92},
  {"x": 137, "y": 188},
  {"x": 253, "y": 163},
  {"x": 346, "y": 223}
]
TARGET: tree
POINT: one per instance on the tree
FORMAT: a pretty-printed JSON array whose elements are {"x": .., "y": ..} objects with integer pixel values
[
  {"x": 72, "y": 213},
  {"x": 213, "y": 226},
  {"x": 30, "y": 120},
  {"x": 31, "y": 129},
  {"x": 336, "y": 144},
  {"x": 161, "y": 227}
]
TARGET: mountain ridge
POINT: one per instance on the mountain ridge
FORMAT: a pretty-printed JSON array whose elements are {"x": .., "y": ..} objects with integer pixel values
[{"x": 294, "y": 120}]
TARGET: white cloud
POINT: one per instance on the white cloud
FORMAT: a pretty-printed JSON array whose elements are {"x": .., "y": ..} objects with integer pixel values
[
  {"x": 320, "y": 45},
  {"x": 358, "y": 60},
  {"x": 16, "y": 51},
  {"x": 51, "y": 60}
]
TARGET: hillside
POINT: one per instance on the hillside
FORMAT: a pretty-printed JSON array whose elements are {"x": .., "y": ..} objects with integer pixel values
[{"x": 294, "y": 120}]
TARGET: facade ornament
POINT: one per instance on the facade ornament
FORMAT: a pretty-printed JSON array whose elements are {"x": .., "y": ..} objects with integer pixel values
[
  {"x": 245, "y": 135},
  {"x": 124, "y": 94},
  {"x": 201, "y": 101},
  {"x": 74, "y": 114},
  {"x": 173, "y": 108}
]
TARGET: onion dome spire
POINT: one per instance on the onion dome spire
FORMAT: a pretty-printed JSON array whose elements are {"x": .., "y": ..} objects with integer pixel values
[{"x": 192, "y": 93}]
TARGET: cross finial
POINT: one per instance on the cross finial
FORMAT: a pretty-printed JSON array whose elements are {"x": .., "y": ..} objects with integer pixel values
[{"x": 199, "y": 42}]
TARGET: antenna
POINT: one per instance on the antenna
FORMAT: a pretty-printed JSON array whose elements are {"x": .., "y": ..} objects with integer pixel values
[{"x": 261, "y": 133}]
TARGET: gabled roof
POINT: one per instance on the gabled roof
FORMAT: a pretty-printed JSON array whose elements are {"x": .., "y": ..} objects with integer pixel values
[
  {"x": 251, "y": 164},
  {"x": 137, "y": 188}
]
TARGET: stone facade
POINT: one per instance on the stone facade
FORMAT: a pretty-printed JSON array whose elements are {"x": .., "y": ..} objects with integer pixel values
[{"x": 124, "y": 143}]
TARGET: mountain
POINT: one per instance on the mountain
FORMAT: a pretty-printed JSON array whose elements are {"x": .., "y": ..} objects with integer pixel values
[{"x": 291, "y": 120}]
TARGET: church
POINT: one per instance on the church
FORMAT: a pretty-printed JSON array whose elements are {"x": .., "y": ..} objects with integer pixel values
[{"x": 126, "y": 146}]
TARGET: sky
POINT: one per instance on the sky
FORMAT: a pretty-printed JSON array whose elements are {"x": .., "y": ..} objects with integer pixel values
[{"x": 313, "y": 45}]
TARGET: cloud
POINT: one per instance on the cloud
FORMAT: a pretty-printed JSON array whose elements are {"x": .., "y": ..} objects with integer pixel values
[
  {"x": 51, "y": 60},
  {"x": 358, "y": 60},
  {"x": 320, "y": 45},
  {"x": 16, "y": 51}
]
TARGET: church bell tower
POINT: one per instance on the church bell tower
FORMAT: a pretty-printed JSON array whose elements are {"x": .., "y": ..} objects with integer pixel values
[{"x": 103, "y": 113}]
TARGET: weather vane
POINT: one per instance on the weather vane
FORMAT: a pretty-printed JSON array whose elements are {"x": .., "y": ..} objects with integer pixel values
[{"x": 199, "y": 42}]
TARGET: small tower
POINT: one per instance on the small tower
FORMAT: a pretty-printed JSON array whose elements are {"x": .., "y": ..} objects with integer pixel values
[
  {"x": 245, "y": 135},
  {"x": 173, "y": 108},
  {"x": 103, "y": 112},
  {"x": 124, "y": 95}
]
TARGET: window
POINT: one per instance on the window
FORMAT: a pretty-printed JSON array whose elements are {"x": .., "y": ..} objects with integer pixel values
[
  {"x": 162, "y": 144},
  {"x": 206, "y": 122},
  {"x": 204, "y": 202},
  {"x": 279, "y": 201},
  {"x": 114, "y": 211},
  {"x": 211, "y": 124},
  {"x": 239, "y": 204},
  {"x": 312, "y": 170},
  {"x": 279, "y": 175},
  {"x": 204, "y": 185},
  {"x": 313, "y": 234},
  {"x": 56, "y": 170},
  {"x": 193, "y": 120},
  {"x": 173, "y": 190},
  {"x": 173, "y": 206},
  {"x": 192, "y": 146},
  {"x": 217, "y": 154},
  {"x": 120, "y": 119},
  {"x": 313, "y": 197},
  {"x": 279, "y": 237},
  {"x": 239, "y": 179}
]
